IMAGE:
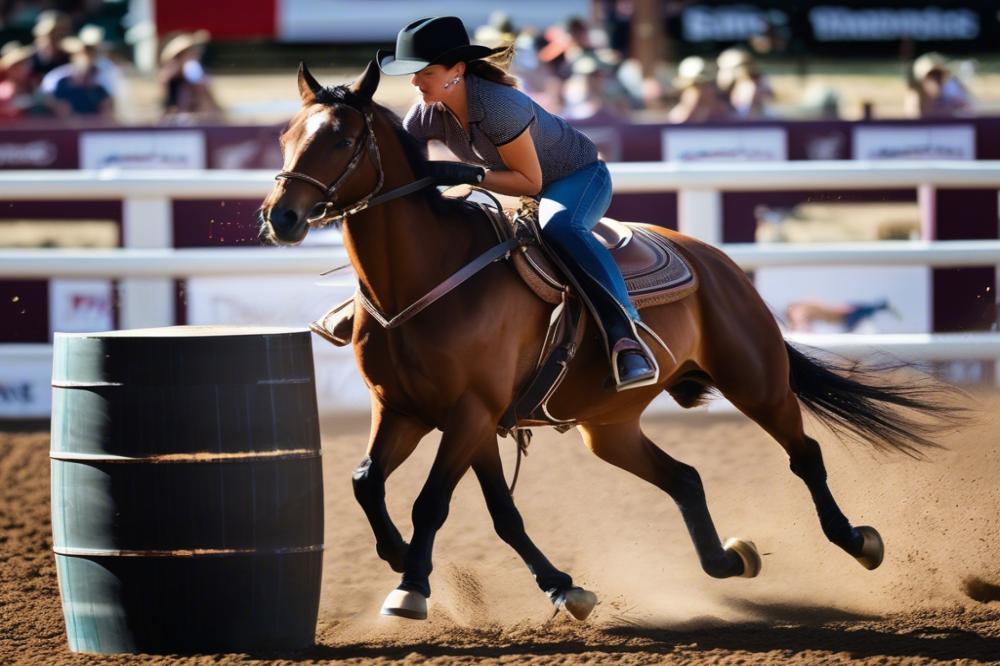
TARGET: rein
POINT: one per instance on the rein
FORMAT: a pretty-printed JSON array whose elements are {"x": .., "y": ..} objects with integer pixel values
[{"x": 329, "y": 213}]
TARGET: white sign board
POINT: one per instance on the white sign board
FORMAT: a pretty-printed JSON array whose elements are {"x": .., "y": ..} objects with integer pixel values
[
  {"x": 380, "y": 20},
  {"x": 769, "y": 144},
  {"x": 25, "y": 384},
  {"x": 81, "y": 306},
  {"x": 915, "y": 142},
  {"x": 184, "y": 149},
  {"x": 880, "y": 299},
  {"x": 287, "y": 301}
]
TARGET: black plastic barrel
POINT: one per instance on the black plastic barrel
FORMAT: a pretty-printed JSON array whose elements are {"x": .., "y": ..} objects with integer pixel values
[{"x": 187, "y": 490}]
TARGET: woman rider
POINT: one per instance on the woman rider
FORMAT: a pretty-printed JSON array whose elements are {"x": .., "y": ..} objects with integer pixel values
[{"x": 473, "y": 107}]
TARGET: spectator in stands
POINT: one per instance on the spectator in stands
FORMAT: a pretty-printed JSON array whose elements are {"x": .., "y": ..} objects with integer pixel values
[
  {"x": 51, "y": 28},
  {"x": 78, "y": 91},
  {"x": 105, "y": 71},
  {"x": 593, "y": 93},
  {"x": 17, "y": 96},
  {"x": 933, "y": 91},
  {"x": 186, "y": 86},
  {"x": 727, "y": 62},
  {"x": 497, "y": 31},
  {"x": 564, "y": 44},
  {"x": 744, "y": 85},
  {"x": 536, "y": 77},
  {"x": 700, "y": 100},
  {"x": 749, "y": 91}
]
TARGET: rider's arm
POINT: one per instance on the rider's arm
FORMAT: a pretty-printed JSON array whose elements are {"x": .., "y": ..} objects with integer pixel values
[{"x": 524, "y": 175}]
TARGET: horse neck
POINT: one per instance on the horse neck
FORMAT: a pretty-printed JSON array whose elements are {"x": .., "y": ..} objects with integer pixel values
[{"x": 403, "y": 248}]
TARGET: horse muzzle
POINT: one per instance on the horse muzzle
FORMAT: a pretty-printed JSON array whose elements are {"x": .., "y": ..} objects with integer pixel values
[{"x": 287, "y": 227}]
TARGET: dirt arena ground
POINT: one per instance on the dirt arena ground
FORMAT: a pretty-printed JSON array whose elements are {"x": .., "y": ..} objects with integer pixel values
[{"x": 936, "y": 599}]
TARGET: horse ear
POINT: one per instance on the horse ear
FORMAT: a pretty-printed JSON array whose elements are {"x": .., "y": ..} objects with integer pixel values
[
  {"x": 308, "y": 85},
  {"x": 367, "y": 83}
]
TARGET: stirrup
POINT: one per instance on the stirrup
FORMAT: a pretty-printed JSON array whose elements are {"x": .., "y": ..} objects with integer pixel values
[
  {"x": 634, "y": 345},
  {"x": 337, "y": 325}
]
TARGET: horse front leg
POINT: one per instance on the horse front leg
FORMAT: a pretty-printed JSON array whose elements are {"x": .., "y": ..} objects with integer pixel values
[
  {"x": 470, "y": 426},
  {"x": 509, "y": 526},
  {"x": 393, "y": 438}
]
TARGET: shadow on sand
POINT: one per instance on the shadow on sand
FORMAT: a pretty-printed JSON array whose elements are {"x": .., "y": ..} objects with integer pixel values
[{"x": 786, "y": 627}]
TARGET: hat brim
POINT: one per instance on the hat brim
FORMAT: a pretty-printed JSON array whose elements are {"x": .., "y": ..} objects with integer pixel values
[{"x": 391, "y": 66}]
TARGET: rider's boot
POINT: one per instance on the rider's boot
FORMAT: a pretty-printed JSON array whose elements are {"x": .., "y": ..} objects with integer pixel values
[
  {"x": 337, "y": 325},
  {"x": 632, "y": 362}
]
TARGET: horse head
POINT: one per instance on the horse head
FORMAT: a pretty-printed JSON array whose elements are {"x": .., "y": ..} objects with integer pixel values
[{"x": 331, "y": 166}]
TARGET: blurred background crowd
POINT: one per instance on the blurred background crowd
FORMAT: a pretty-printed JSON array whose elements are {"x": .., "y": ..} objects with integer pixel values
[{"x": 66, "y": 59}]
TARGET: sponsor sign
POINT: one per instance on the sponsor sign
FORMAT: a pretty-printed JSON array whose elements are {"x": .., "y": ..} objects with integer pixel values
[
  {"x": 32, "y": 154},
  {"x": 887, "y": 23},
  {"x": 915, "y": 142},
  {"x": 733, "y": 23},
  {"x": 768, "y": 144},
  {"x": 828, "y": 26},
  {"x": 81, "y": 306},
  {"x": 906, "y": 290},
  {"x": 142, "y": 150},
  {"x": 286, "y": 301},
  {"x": 25, "y": 390}
]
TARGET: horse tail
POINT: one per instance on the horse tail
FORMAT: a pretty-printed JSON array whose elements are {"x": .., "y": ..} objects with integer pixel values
[{"x": 849, "y": 399}]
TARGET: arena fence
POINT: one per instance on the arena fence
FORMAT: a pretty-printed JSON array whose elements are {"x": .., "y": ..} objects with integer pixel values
[{"x": 147, "y": 264}]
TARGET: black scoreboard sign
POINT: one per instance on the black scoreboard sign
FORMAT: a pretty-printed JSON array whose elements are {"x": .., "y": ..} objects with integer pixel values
[{"x": 838, "y": 28}]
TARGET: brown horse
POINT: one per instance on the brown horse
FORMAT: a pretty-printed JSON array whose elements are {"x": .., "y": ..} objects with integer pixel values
[{"x": 458, "y": 364}]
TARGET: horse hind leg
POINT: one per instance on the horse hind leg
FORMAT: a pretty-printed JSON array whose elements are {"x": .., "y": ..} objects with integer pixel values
[
  {"x": 626, "y": 446},
  {"x": 782, "y": 419}
]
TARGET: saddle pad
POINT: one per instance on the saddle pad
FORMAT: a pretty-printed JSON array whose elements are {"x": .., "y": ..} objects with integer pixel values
[{"x": 655, "y": 273}]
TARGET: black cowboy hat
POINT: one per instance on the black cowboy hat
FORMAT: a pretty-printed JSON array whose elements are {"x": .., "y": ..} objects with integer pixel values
[{"x": 428, "y": 41}]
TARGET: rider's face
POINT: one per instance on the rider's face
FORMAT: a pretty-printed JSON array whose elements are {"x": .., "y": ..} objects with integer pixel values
[{"x": 436, "y": 82}]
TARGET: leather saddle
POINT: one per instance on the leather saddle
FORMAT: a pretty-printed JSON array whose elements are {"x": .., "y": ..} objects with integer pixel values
[{"x": 655, "y": 272}]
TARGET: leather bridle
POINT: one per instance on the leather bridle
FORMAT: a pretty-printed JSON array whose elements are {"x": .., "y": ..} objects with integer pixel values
[{"x": 328, "y": 212}]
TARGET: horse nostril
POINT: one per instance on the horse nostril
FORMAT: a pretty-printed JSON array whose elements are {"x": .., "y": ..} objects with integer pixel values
[{"x": 281, "y": 218}]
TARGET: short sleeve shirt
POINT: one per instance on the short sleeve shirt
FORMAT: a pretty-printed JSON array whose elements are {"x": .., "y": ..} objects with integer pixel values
[
  {"x": 498, "y": 114},
  {"x": 84, "y": 99}
]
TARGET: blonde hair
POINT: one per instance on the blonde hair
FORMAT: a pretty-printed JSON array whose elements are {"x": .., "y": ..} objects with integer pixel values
[{"x": 492, "y": 68}]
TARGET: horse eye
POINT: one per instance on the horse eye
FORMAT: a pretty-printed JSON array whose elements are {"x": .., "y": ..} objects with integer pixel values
[{"x": 344, "y": 143}]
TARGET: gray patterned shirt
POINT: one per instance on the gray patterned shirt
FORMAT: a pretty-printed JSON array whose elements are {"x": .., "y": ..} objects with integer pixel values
[{"x": 498, "y": 114}]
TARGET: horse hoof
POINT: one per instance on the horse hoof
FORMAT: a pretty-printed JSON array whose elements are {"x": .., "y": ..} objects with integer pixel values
[
  {"x": 747, "y": 553},
  {"x": 577, "y": 601},
  {"x": 872, "y": 548},
  {"x": 404, "y": 603}
]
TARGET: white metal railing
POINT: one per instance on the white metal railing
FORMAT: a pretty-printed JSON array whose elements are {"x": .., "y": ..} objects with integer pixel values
[
  {"x": 126, "y": 263},
  {"x": 148, "y": 263}
]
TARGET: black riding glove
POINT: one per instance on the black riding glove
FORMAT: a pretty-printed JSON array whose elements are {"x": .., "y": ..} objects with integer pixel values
[{"x": 455, "y": 173}]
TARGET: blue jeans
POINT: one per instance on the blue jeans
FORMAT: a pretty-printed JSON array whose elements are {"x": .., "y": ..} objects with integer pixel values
[{"x": 568, "y": 209}]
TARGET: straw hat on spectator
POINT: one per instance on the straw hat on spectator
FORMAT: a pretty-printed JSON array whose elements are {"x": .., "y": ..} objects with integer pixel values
[
  {"x": 52, "y": 21},
  {"x": 497, "y": 31},
  {"x": 178, "y": 44},
  {"x": 14, "y": 53},
  {"x": 693, "y": 70},
  {"x": 90, "y": 37},
  {"x": 733, "y": 57},
  {"x": 928, "y": 63}
]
